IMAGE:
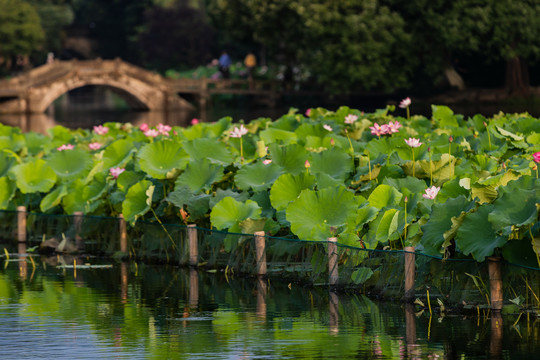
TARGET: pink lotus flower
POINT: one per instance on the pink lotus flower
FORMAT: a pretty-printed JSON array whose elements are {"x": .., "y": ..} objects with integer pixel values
[
  {"x": 405, "y": 103},
  {"x": 116, "y": 171},
  {"x": 238, "y": 132},
  {"x": 350, "y": 119},
  {"x": 431, "y": 192},
  {"x": 101, "y": 130},
  {"x": 65, "y": 147},
  {"x": 267, "y": 161},
  {"x": 376, "y": 130},
  {"x": 164, "y": 129},
  {"x": 194, "y": 121},
  {"x": 307, "y": 164},
  {"x": 385, "y": 129},
  {"x": 536, "y": 157},
  {"x": 328, "y": 127},
  {"x": 151, "y": 133},
  {"x": 413, "y": 142},
  {"x": 94, "y": 146},
  {"x": 393, "y": 127},
  {"x": 144, "y": 127},
  {"x": 308, "y": 112}
]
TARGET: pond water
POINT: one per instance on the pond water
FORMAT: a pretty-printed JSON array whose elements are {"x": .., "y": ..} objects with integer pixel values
[{"x": 137, "y": 311}]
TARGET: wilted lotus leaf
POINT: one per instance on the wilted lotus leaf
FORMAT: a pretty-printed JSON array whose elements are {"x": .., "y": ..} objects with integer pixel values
[
  {"x": 161, "y": 159},
  {"x": 34, "y": 176}
]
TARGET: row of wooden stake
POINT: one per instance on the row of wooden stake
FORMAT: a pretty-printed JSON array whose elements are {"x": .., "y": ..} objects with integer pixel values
[{"x": 494, "y": 264}]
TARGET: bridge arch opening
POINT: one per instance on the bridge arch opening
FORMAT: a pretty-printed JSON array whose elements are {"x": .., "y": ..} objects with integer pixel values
[{"x": 98, "y": 98}]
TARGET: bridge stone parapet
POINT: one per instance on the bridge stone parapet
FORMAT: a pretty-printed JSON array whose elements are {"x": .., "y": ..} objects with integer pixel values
[{"x": 35, "y": 90}]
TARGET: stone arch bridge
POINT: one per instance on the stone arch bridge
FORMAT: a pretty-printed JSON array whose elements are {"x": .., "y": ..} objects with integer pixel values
[{"x": 35, "y": 90}]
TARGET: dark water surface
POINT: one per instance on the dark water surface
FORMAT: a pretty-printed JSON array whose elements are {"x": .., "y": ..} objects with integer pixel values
[{"x": 137, "y": 311}]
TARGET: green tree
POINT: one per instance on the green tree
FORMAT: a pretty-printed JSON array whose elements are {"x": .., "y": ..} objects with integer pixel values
[
  {"x": 347, "y": 45},
  {"x": 176, "y": 36},
  {"x": 355, "y": 45},
  {"x": 55, "y": 16},
  {"x": 20, "y": 30}
]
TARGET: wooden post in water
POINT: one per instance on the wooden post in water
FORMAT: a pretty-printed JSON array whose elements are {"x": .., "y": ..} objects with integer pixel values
[
  {"x": 193, "y": 289},
  {"x": 123, "y": 234},
  {"x": 260, "y": 251},
  {"x": 333, "y": 272},
  {"x": 496, "y": 338},
  {"x": 262, "y": 290},
  {"x": 21, "y": 223},
  {"x": 193, "y": 245},
  {"x": 495, "y": 283},
  {"x": 410, "y": 269},
  {"x": 77, "y": 222},
  {"x": 333, "y": 321}
]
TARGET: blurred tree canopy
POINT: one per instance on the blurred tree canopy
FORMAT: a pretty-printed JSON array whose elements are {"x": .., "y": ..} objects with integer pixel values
[
  {"x": 176, "y": 36},
  {"x": 346, "y": 45},
  {"x": 20, "y": 30}
]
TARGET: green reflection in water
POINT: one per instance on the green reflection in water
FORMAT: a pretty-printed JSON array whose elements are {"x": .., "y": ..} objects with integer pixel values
[{"x": 139, "y": 311}]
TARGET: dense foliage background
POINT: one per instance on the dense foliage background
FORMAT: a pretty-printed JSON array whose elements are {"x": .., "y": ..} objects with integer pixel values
[{"x": 344, "y": 46}]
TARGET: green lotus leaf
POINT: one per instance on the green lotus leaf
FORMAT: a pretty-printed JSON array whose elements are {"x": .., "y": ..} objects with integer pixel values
[
  {"x": 361, "y": 275},
  {"x": 53, "y": 198},
  {"x": 35, "y": 142},
  {"x": 200, "y": 175},
  {"x": 366, "y": 214},
  {"x": 180, "y": 196},
  {"x": 384, "y": 196},
  {"x": 34, "y": 176},
  {"x": 215, "y": 151},
  {"x": 515, "y": 209},
  {"x": 138, "y": 201},
  {"x": 162, "y": 159},
  {"x": 534, "y": 139},
  {"x": 291, "y": 157},
  {"x": 85, "y": 197},
  {"x": 520, "y": 252},
  {"x": 257, "y": 176},
  {"x": 117, "y": 154},
  {"x": 314, "y": 213},
  {"x": 11, "y": 138},
  {"x": 334, "y": 162},
  {"x": 220, "y": 194},
  {"x": 287, "y": 188},
  {"x": 228, "y": 213},
  {"x": 444, "y": 116},
  {"x": 388, "y": 225},
  {"x": 440, "y": 222},
  {"x": 6, "y": 162},
  {"x": 127, "y": 179},
  {"x": 7, "y": 190},
  {"x": 408, "y": 185},
  {"x": 476, "y": 235},
  {"x": 251, "y": 226},
  {"x": 69, "y": 164},
  {"x": 278, "y": 136},
  {"x": 198, "y": 206}
]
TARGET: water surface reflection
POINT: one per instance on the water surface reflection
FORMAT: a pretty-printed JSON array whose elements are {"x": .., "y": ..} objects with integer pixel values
[{"x": 140, "y": 311}]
